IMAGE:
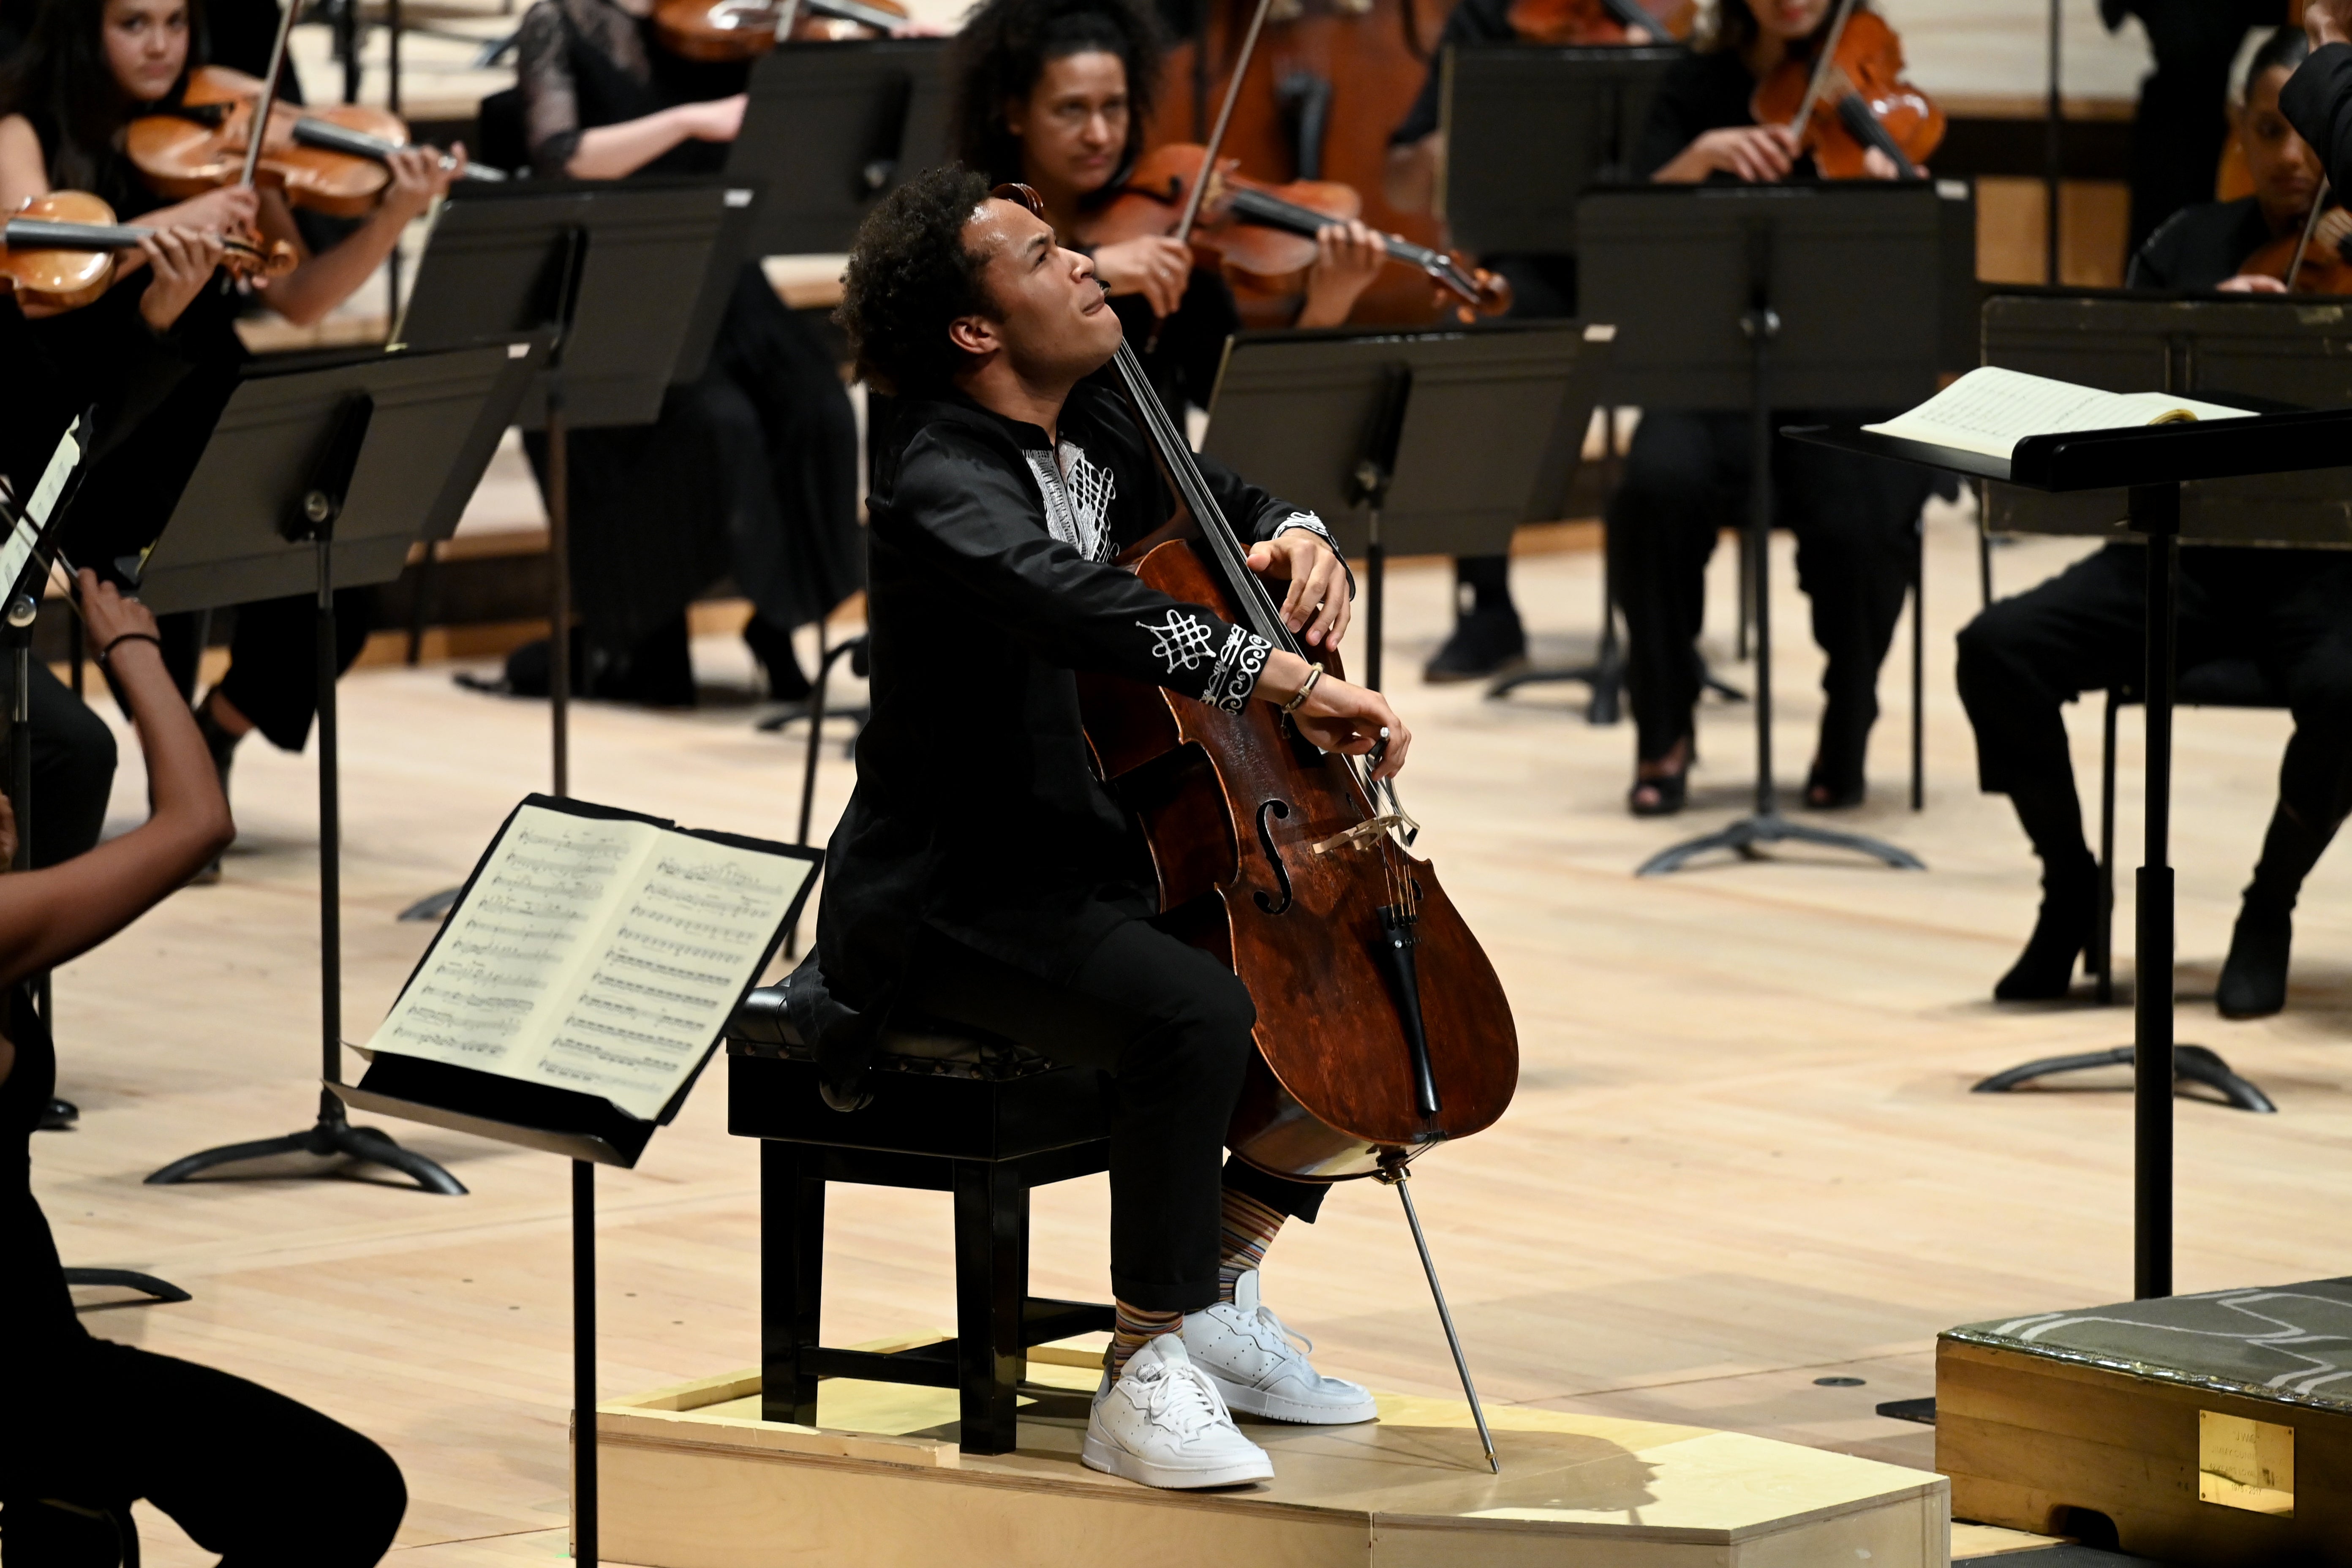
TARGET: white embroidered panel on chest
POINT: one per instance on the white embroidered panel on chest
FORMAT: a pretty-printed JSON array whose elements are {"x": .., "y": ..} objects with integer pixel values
[{"x": 1077, "y": 498}]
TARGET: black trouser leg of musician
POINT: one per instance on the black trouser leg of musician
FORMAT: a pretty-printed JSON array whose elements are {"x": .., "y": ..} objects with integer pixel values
[
  {"x": 248, "y": 1473},
  {"x": 1172, "y": 1025}
]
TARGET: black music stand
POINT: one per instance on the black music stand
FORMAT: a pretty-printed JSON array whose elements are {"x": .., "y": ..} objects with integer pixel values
[
  {"x": 1435, "y": 443},
  {"x": 830, "y": 128},
  {"x": 311, "y": 481},
  {"x": 2211, "y": 347},
  {"x": 585, "y": 1128},
  {"x": 631, "y": 281},
  {"x": 2154, "y": 463},
  {"x": 1851, "y": 294}
]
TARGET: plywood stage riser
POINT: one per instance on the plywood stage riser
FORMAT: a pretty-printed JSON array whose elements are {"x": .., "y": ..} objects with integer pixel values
[{"x": 688, "y": 1506}]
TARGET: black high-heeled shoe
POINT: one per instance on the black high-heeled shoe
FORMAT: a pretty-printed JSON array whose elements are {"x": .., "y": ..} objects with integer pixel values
[
  {"x": 1824, "y": 794},
  {"x": 1672, "y": 789}
]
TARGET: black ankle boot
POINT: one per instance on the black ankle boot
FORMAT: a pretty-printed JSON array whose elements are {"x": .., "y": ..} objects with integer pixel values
[
  {"x": 772, "y": 645},
  {"x": 1485, "y": 642},
  {"x": 2253, "y": 978},
  {"x": 2045, "y": 970}
]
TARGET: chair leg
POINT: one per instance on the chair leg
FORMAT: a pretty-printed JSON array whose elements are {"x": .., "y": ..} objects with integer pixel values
[
  {"x": 791, "y": 1278},
  {"x": 2103, "y": 934},
  {"x": 1919, "y": 665},
  {"x": 992, "y": 1233}
]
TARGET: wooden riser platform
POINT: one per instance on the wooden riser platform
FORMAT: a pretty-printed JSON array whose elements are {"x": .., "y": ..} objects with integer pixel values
[{"x": 693, "y": 1479}]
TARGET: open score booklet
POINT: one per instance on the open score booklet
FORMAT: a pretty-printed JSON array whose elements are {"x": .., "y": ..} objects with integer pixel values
[
  {"x": 1991, "y": 410},
  {"x": 597, "y": 954}
]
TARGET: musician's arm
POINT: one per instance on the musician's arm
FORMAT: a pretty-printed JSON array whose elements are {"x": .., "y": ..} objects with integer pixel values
[
  {"x": 2317, "y": 99},
  {"x": 1290, "y": 545}
]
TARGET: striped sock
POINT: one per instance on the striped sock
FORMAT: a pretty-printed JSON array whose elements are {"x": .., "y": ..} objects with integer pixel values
[
  {"x": 1134, "y": 1325},
  {"x": 1244, "y": 1232}
]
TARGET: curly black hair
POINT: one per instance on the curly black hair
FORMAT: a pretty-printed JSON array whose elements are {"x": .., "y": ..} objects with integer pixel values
[
  {"x": 1004, "y": 46},
  {"x": 909, "y": 275}
]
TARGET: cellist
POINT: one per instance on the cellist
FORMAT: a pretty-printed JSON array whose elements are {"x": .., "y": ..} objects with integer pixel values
[{"x": 981, "y": 873}]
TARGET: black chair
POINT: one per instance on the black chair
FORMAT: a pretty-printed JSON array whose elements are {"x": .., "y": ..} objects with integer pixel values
[{"x": 951, "y": 1112}]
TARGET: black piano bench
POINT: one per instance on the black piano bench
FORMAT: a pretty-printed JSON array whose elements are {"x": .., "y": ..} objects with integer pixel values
[{"x": 952, "y": 1111}]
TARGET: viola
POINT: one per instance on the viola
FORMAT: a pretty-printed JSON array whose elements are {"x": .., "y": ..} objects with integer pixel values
[
  {"x": 332, "y": 160},
  {"x": 1851, "y": 97},
  {"x": 745, "y": 29},
  {"x": 1602, "y": 22},
  {"x": 1261, "y": 234},
  {"x": 59, "y": 250},
  {"x": 1382, "y": 1027}
]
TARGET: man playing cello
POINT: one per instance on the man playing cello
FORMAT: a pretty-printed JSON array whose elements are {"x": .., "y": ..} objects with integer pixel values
[{"x": 981, "y": 873}]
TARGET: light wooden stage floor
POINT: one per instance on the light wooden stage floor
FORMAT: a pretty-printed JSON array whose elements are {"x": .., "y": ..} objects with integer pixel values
[{"x": 1743, "y": 1156}]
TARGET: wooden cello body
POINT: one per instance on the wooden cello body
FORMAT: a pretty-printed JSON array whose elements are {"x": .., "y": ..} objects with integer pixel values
[{"x": 1381, "y": 1025}]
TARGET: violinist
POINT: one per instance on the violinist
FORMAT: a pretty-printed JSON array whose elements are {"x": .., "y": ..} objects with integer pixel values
[
  {"x": 1021, "y": 901},
  {"x": 2288, "y": 610},
  {"x": 1686, "y": 474},
  {"x": 750, "y": 471},
  {"x": 91, "y": 67},
  {"x": 1059, "y": 94},
  {"x": 2214, "y": 245},
  {"x": 1488, "y": 638}
]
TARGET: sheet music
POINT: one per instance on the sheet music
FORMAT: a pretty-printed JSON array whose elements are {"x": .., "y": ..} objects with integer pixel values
[
  {"x": 1991, "y": 410},
  {"x": 595, "y": 955},
  {"x": 18, "y": 552}
]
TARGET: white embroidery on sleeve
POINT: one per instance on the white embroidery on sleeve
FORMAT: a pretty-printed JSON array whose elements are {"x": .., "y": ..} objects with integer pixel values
[{"x": 1182, "y": 640}]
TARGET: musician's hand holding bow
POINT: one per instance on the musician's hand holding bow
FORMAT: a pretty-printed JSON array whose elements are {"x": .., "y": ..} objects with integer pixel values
[
  {"x": 1316, "y": 606},
  {"x": 1337, "y": 716}
]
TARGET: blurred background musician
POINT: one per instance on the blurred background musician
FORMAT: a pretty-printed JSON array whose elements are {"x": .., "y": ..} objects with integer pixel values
[
  {"x": 1058, "y": 95},
  {"x": 1488, "y": 638},
  {"x": 1686, "y": 474},
  {"x": 90, "y": 68},
  {"x": 246, "y": 1471},
  {"x": 751, "y": 470},
  {"x": 2082, "y": 630},
  {"x": 2182, "y": 116}
]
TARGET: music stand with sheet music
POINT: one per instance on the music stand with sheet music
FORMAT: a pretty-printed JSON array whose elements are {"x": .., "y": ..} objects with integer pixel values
[
  {"x": 2153, "y": 464},
  {"x": 321, "y": 474},
  {"x": 2250, "y": 350},
  {"x": 830, "y": 128},
  {"x": 584, "y": 1128},
  {"x": 631, "y": 279},
  {"x": 1843, "y": 294},
  {"x": 1429, "y": 442}
]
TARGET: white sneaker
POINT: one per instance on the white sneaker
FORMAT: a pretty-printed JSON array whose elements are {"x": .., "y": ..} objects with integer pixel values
[
  {"x": 1248, "y": 1354},
  {"x": 1163, "y": 1424}
]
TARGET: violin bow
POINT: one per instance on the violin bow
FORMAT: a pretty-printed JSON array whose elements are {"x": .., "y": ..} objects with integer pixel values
[
  {"x": 2310, "y": 227},
  {"x": 1822, "y": 67},
  {"x": 266, "y": 100},
  {"x": 1192, "y": 198}
]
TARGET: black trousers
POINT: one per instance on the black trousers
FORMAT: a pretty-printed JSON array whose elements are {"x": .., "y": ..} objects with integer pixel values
[
  {"x": 1855, "y": 519},
  {"x": 2183, "y": 121},
  {"x": 1171, "y": 1026},
  {"x": 2084, "y": 629},
  {"x": 263, "y": 1480},
  {"x": 273, "y": 659},
  {"x": 73, "y": 768}
]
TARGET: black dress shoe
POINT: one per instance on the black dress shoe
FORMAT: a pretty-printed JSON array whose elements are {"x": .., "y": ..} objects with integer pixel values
[
  {"x": 772, "y": 645},
  {"x": 1485, "y": 643},
  {"x": 58, "y": 1115},
  {"x": 2044, "y": 971},
  {"x": 2253, "y": 978}
]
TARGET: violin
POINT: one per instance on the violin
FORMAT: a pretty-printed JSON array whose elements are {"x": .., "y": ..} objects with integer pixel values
[
  {"x": 1382, "y": 1027},
  {"x": 332, "y": 160},
  {"x": 1851, "y": 97},
  {"x": 1263, "y": 235},
  {"x": 713, "y": 30},
  {"x": 1601, "y": 22},
  {"x": 59, "y": 250},
  {"x": 2313, "y": 260}
]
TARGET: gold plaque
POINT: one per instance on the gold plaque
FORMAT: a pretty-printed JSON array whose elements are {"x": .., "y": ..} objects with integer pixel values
[{"x": 2245, "y": 1464}]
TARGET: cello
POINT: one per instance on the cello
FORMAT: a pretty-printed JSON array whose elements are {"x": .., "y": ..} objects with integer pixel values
[{"x": 1382, "y": 1029}]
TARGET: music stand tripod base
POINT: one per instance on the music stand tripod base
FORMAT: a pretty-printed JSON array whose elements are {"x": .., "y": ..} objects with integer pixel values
[
  {"x": 2190, "y": 1064},
  {"x": 1746, "y": 837},
  {"x": 330, "y": 1137}
]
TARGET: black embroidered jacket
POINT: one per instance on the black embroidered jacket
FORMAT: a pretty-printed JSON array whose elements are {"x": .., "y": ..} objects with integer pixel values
[{"x": 990, "y": 582}]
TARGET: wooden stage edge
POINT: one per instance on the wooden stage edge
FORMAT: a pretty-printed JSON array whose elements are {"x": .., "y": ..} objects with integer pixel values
[{"x": 690, "y": 1478}]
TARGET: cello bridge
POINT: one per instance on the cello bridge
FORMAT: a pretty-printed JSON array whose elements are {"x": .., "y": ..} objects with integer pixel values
[{"x": 1362, "y": 832}]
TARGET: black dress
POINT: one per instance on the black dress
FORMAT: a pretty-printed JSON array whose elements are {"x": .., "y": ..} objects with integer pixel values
[{"x": 752, "y": 470}]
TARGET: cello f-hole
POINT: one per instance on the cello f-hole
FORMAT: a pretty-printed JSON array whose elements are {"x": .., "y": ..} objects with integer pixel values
[{"x": 1273, "y": 855}]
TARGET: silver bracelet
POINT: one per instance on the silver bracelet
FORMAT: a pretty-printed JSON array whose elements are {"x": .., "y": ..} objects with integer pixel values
[{"x": 1314, "y": 674}]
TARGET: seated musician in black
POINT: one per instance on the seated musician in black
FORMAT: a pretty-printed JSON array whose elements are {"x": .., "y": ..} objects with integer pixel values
[
  {"x": 1686, "y": 474},
  {"x": 981, "y": 873},
  {"x": 2289, "y": 610}
]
